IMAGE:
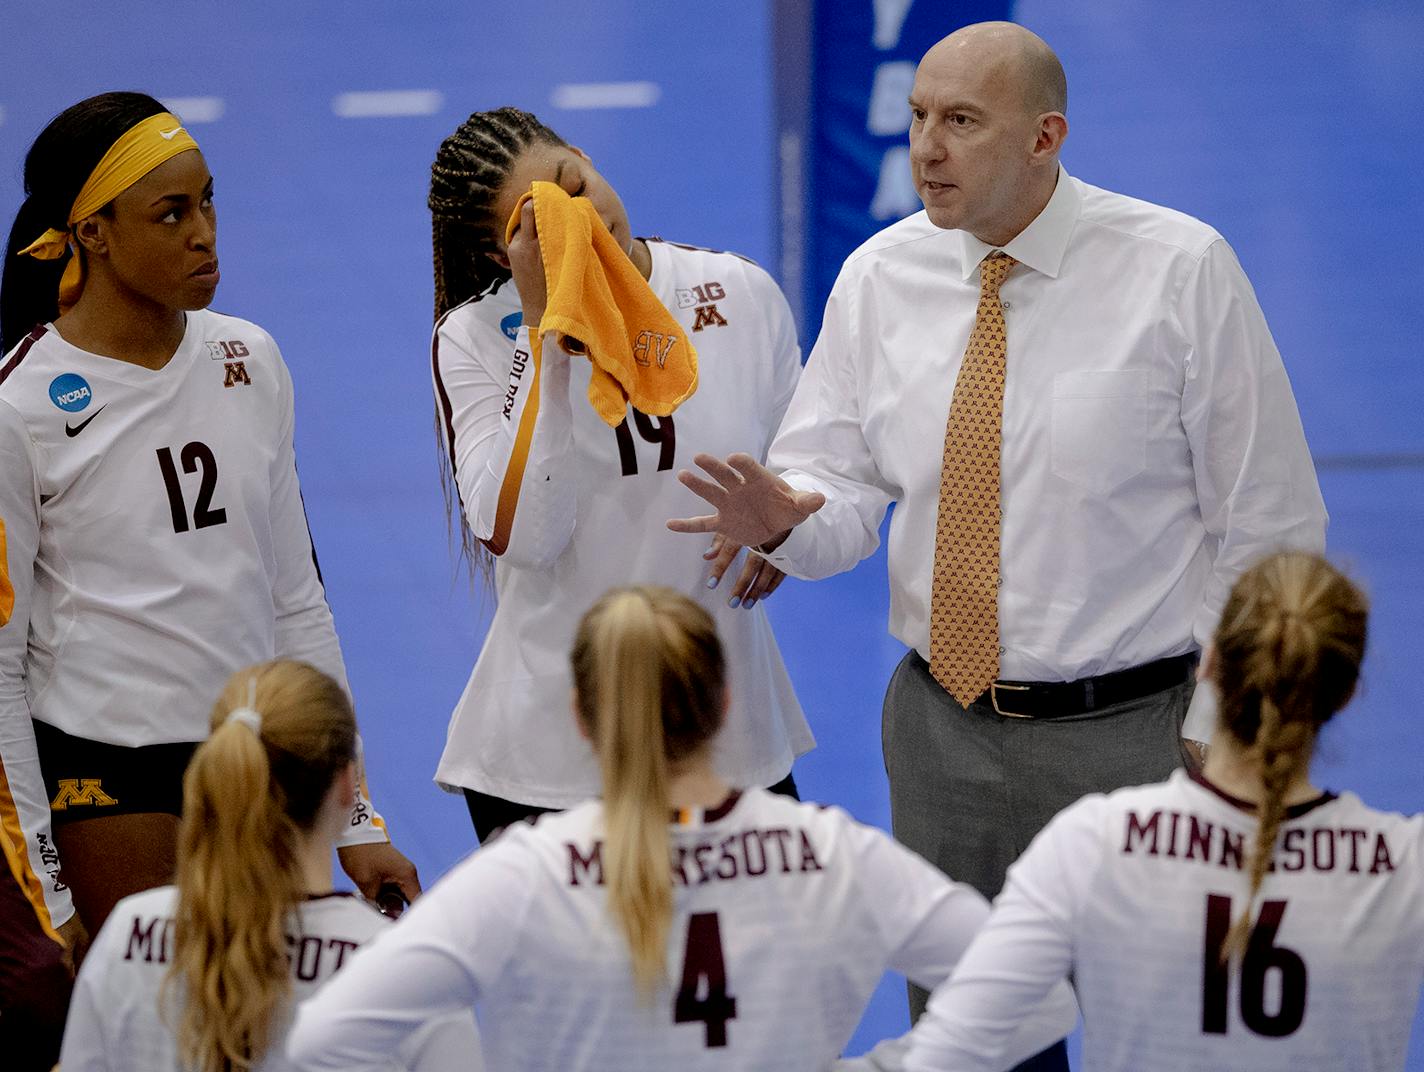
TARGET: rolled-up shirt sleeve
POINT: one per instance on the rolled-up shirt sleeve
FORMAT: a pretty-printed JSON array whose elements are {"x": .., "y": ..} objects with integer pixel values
[
  {"x": 1255, "y": 481},
  {"x": 821, "y": 447}
]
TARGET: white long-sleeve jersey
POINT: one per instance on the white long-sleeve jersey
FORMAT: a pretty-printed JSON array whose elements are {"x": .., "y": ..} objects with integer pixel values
[
  {"x": 786, "y": 915},
  {"x": 116, "y": 1022},
  {"x": 156, "y": 542},
  {"x": 573, "y": 508},
  {"x": 1133, "y": 894}
]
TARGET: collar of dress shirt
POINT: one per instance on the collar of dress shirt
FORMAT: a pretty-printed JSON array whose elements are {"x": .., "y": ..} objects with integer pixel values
[{"x": 1042, "y": 243}]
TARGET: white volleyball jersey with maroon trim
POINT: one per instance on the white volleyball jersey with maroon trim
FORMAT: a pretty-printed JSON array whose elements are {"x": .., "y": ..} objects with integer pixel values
[
  {"x": 572, "y": 507},
  {"x": 156, "y": 542},
  {"x": 1133, "y": 894},
  {"x": 786, "y": 915},
  {"x": 116, "y": 1023}
]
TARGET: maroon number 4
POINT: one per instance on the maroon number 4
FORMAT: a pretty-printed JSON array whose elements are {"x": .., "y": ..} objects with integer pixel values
[{"x": 705, "y": 973}]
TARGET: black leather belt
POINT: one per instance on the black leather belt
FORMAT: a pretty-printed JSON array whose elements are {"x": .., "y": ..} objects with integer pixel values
[{"x": 1058, "y": 699}]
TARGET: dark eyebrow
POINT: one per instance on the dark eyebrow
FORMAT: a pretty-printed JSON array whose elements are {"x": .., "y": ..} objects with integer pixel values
[
  {"x": 954, "y": 106},
  {"x": 182, "y": 198}
]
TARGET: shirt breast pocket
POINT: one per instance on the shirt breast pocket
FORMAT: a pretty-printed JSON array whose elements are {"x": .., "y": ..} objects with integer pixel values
[{"x": 1099, "y": 434}]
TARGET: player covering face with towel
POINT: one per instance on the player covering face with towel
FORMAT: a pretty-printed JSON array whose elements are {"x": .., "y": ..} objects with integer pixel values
[{"x": 559, "y": 500}]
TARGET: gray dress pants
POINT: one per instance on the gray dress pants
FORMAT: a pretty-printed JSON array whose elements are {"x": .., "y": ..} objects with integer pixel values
[{"x": 970, "y": 788}]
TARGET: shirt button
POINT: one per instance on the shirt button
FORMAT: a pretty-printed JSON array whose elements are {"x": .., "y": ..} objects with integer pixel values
[
  {"x": 1005, "y": 304},
  {"x": 1002, "y": 649}
]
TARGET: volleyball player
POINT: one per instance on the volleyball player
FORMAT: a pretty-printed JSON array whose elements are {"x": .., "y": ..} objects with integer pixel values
[
  {"x": 1241, "y": 918},
  {"x": 204, "y": 975},
  {"x": 156, "y": 535},
  {"x": 676, "y": 923},
  {"x": 571, "y": 507}
]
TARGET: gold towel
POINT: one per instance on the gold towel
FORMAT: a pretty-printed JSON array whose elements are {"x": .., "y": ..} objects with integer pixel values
[{"x": 599, "y": 303}]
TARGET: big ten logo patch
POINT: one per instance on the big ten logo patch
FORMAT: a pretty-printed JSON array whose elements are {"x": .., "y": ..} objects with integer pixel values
[
  {"x": 702, "y": 300},
  {"x": 228, "y": 351},
  {"x": 77, "y": 791},
  {"x": 653, "y": 345},
  {"x": 236, "y": 373}
]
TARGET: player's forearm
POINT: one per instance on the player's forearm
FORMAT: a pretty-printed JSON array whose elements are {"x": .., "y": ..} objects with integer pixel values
[
  {"x": 23, "y": 783},
  {"x": 22, "y": 788},
  {"x": 525, "y": 502}
]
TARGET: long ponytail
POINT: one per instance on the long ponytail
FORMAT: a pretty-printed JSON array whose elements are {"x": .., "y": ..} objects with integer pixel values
[
  {"x": 1289, "y": 648},
  {"x": 250, "y": 794},
  {"x": 649, "y": 679}
]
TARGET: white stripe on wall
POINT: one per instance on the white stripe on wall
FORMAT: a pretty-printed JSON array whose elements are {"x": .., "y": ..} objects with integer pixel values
[
  {"x": 581, "y": 95},
  {"x": 385, "y": 104},
  {"x": 196, "y": 109}
]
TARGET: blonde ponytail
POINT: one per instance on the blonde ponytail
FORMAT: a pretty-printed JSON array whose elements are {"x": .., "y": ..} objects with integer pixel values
[
  {"x": 648, "y": 674},
  {"x": 250, "y": 793},
  {"x": 1289, "y": 648}
]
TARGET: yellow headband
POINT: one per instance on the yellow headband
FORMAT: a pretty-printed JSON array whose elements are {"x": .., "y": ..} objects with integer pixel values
[{"x": 142, "y": 148}]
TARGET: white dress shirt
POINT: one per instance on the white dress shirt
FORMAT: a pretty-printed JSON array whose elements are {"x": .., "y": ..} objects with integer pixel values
[{"x": 1151, "y": 444}]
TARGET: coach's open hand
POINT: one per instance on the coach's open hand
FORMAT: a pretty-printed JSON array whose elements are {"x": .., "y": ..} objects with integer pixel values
[{"x": 754, "y": 506}]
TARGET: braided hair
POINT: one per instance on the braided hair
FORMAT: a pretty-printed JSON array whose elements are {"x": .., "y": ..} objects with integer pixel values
[
  {"x": 1289, "y": 648},
  {"x": 471, "y": 166}
]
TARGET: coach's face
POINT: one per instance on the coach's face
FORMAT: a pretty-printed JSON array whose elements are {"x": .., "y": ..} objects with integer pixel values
[{"x": 975, "y": 143}]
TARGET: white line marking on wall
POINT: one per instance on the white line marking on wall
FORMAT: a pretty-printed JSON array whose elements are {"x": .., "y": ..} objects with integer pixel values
[
  {"x": 387, "y": 104},
  {"x": 585, "y": 95},
  {"x": 196, "y": 109}
]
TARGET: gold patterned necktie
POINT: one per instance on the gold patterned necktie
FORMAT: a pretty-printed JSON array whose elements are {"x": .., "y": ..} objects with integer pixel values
[{"x": 964, "y": 601}]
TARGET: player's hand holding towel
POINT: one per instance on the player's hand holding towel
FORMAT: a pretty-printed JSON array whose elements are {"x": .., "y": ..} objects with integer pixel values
[{"x": 599, "y": 303}]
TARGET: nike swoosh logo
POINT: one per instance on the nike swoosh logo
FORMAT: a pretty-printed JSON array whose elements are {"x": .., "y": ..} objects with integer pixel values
[
  {"x": 167, "y": 135},
  {"x": 73, "y": 430}
]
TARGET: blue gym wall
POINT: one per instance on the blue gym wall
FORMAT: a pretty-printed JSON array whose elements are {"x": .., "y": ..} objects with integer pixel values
[{"x": 1288, "y": 125}]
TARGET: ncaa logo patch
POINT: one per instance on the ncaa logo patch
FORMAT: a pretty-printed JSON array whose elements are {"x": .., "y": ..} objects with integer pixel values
[
  {"x": 70, "y": 392},
  {"x": 510, "y": 325}
]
